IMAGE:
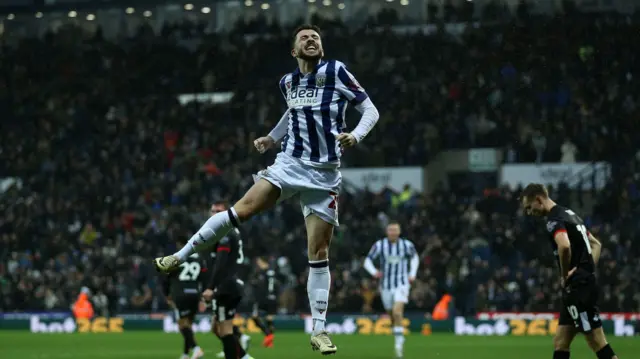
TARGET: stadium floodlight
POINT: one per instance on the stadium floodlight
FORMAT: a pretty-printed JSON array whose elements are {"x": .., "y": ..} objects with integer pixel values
[
  {"x": 11, "y": 17},
  {"x": 206, "y": 10},
  {"x": 91, "y": 17},
  {"x": 146, "y": 13},
  {"x": 188, "y": 7},
  {"x": 73, "y": 13},
  {"x": 326, "y": 2},
  {"x": 341, "y": 6},
  {"x": 265, "y": 6},
  {"x": 130, "y": 10},
  {"x": 248, "y": 3},
  {"x": 311, "y": 1},
  {"x": 404, "y": 2},
  {"x": 39, "y": 15}
]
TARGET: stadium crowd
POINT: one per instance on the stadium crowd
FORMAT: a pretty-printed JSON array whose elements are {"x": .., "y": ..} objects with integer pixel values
[{"x": 107, "y": 168}]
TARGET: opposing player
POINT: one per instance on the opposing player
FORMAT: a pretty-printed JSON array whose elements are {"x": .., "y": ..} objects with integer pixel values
[
  {"x": 182, "y": 290},
  {"x": 245, "y": 340},
  {"x": 266, "y": 304},
  {"x": 224, "y": 291},
  {"x": 398, "y": 269},
  {"x": 577, "y": 251},
  {"x": 313, "y": 138}
]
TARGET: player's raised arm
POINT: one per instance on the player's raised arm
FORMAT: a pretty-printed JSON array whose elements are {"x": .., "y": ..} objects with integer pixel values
[
  {"x": 349, "y": 87},
  {"x": 368, "y": 262},
  {"x": 596, "y": 248}
]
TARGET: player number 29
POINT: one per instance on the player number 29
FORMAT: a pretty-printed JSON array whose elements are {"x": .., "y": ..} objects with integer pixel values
[
  {"x": 190, "y": 271},
  {"x": 583, "y": 230}
]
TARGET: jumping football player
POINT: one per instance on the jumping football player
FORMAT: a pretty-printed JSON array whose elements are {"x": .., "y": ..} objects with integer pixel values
[
  {"x": 398, "y": 269},
  {"x": 577, "y": 252},
  {"x": 313, "y": 137},
  {"x": 182, "y": 290}
]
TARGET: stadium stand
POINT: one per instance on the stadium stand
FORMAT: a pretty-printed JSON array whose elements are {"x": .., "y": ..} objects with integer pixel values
[{"x": 103, "y": 165}]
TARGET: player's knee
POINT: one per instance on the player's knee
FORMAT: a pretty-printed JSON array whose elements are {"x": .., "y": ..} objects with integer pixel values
[
  {"x": 225, "y": 328},
  {"x": 561, "y": 343},
  {"x": 318, "y": 248},
  {"x": 184, "y": 323}
]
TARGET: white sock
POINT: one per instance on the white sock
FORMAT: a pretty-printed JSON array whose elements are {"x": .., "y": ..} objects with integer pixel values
[
  {"x": 246, "y": 356},
  {"x": 398, "y": 333},
  {"x": 318, "y": 286},
  {"x": 213, "y": 230}
]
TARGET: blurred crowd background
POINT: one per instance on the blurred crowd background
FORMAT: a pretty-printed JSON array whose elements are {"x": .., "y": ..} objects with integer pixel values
[{"x": 103, "y": 167}]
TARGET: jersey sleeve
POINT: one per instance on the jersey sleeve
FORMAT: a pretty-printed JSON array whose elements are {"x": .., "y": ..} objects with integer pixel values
[
  {"x": 283, "y": 87},
  {"x": 555, "y": 227},
  {"x": 374, "y": 252},
  {"x": 411, "y": 249},
  {"x": 348, "y": 86}
]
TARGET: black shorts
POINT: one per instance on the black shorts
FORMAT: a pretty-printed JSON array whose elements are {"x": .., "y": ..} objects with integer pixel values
[
  {"x": 265, "y": 307},
  {"x": 186, "y": 306},
  {"x": 580, "y": 306},
  {"x": 224, "y": 306}
]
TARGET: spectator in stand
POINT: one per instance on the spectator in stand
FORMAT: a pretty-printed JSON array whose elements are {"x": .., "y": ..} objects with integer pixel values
[{"x": 109, "y": 167}]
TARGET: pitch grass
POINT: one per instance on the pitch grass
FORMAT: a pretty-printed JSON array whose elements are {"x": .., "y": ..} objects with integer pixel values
[{"x": 137, "y": 345}]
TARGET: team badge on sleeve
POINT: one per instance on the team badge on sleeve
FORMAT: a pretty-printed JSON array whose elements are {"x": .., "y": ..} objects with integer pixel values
[{"x": 551, "y": 225}]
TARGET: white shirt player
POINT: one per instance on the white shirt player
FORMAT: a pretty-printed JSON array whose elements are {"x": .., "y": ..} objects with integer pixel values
[
  {"x": 398, "y": 265},
  {"x": 317, "y": 103}
]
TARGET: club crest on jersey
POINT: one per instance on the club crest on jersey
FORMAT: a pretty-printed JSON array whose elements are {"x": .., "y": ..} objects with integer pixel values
[
  {"x": 288, "y": 85},
  {"x": 321, "y": 80},
  {"x": 551, "y": 225}
]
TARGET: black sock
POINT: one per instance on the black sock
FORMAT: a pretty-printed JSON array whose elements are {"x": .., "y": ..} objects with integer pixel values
[
  {"x": 606, "y": 352},
  {"x": 189, "y": 340},
  {"x": 260, "y": 323},
  {"x": 232, "y": 349},
  {"x": 236, "y": 331},
  {"x": 561, "y": 355},
  {"x": 270, "y": 325}
]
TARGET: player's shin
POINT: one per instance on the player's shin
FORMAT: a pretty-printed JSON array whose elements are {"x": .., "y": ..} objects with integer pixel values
[
  {"x": 261, "y": 324},
  {"x": 606, "y": 353},
  {"x": 189, "y": 340},
  {"x": 232, "y": 348},
  {"x": 318, "y": 286},
  {"x": 214, "y": 229}
]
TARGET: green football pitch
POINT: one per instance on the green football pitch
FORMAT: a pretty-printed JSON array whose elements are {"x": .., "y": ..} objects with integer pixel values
[{"x": 21, "y": 345}]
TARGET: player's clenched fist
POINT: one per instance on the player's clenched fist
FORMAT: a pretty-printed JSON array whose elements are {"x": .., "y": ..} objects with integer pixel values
[
  {"x": 346, "y": 139},
  {"x": 264, "y": 143}
]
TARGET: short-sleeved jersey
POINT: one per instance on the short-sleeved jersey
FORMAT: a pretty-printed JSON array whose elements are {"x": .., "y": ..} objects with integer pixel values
[
  {"x": 561, "y": 219},
  {"x": 187, "y": 280},
  {"x": 317, "y": 103},
  {"x": 394, "y": 260}
]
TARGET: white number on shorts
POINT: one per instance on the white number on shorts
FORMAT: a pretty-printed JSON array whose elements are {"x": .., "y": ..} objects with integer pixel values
[
  {"x": 240, "y": 259},
  {"x": 190, "y": 271},
  {"x": 583, "y": 230},
  {"x": 573, "y": 312}
]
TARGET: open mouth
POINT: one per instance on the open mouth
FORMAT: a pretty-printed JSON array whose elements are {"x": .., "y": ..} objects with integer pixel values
[{"x": 311, "y": 47}]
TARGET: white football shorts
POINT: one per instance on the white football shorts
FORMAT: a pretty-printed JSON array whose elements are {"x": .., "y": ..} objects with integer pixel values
[
  {"x": 391, "y": 296},
  {"x": 318, "y": 187}
]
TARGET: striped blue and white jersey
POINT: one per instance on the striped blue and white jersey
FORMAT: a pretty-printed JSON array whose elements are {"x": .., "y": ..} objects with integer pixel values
[
  {"x": 394, "y": 259},
  {"x": 317, "y": 104}
]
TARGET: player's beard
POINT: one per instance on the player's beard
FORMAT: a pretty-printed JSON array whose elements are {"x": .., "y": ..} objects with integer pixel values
[{"x": 310, "y": 58}]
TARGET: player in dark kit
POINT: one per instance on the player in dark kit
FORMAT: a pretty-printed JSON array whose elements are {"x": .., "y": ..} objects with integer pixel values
[
  {"x": 182, "y": 289},
  {"x": 224, "y": 291},
  {"x": 266, "y": 285},
  {"x": 577, "y": 251},
  {"x": 245, "y": 340}
]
